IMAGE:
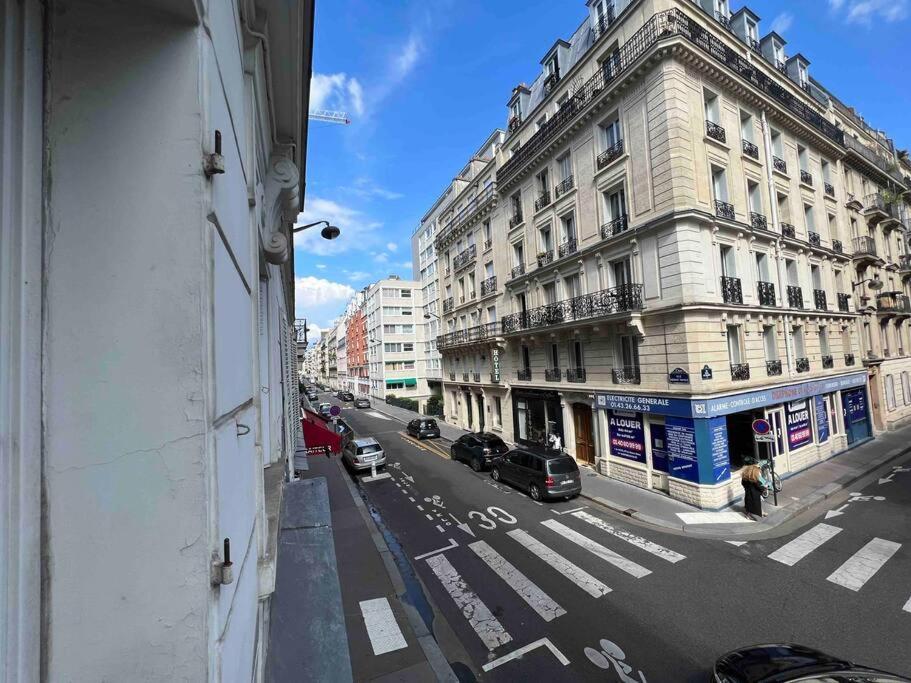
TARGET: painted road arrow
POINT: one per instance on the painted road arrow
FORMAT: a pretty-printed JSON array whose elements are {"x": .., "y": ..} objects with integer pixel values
[
  {"x": 462, "y": 525},
  {"x": 836, "y": 512}
]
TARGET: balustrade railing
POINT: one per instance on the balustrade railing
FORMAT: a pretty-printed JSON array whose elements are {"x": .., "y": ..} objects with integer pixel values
[
  {"x": 448, "y": 304},
  {"x": 838, "y": 247},
  {"x": 564, "y": 186},
  {"x": 829, "y": 189},
  {"x": 758, "y": 221},
  {"x": 795, "y": 297},
  {"x": 806, "y": 177},
  {"x": 609, "y": 154},
  {"x": 864, "y": 246},
  {"x": 724, "y": 210},
  {"x": 773, "y": 368},
  {"x": 788, "y": 230},
  {"x": 545, "y": 257},
  {"x": 614, "y": 227},
  {"x": 819, "y": 300},
  {"x": 779, "y": 164},
  {"x": 568, "y": 247},
  {"x": 621, "y": 299},
  {"x": 575, "y": 375},
  {"x": 740, "y": 372},
  {"x": 626, "y": 374},
  {"x": 731, "y": 292},
  {"x": 523, "y": 374},
  {"x": 517, "y": 271},
  {"x": 749, "y": 149},
  {"x": 464, "y": 257},
  {"x": 552, "y": 374},
  {"x": 766, "y": 293},
  {"x": 470, "y": 335},
  {"x": 844, "y": 302},
  {"x": 542, "y": 200},
  {"x": 489, "y": 286},
  {"x": 849, "y": 359},
  {"x": 814, "y": 239},
  {"x": 828, "y": 362},
  {"x": 802, "y": 364},
  {"x": 716, "y": 132}
]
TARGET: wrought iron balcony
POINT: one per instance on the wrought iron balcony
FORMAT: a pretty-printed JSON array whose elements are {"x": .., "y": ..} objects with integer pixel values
[
  {"x": 515, "y": 219},
  {"x": 570, "y": 246},
  {"x": 829, "y": 189},
  {"x": 550, "y": 82},
  {"x": 893, "y": 303},
  {"x": 564, "y": 186},
  {"x": 838, "y": 247},
  {"x": 754, "y": 45},
  {"x": 716, "y": 132},
  {"x": 856, "y": 147},
  {"x": 828, "y": 362},
  {"x": 621, "y": 299},
  {"x": 802, "y": 364},
  {"x": 849, "y": 359},
  {"x": 843, "y": 302},
  {"x": 476, "y": 376},
  {"x": 627, "y": 374},
  {"x": 488, "y": 244},
  {"x": 806, "y": 177},
  {"x": 517, "y": 271},
  {"x": 523, "y": 374},
  {"x": 614, "y": 227},
  {"x": 465, "y": 376},
  {"x": 448, "y": 304},
  {"x": 795, "y": 297},
  {"x": 758, "y": 221},
  {"x": 875, "y": 208},
  {"x": 723, "y": 19},
  {"x": 779, "y": 164},
  {"x": 452, "y": 376},
  {"x": 514, "y": 123},
  {"x": 731, "y": 293},
  {"x": 864, "y": 246},
  {"x": 552, "y": 374},
  {"x": 611, "y": 153},
  {"x": 471, "y": 335},
  {"x": 773, "y": 368},
  {"x": 465, "y": 257},
  {"x": 904, "y": 263},
  {"x": 766, "y": 293},
  {"x": 575, "y": 375},
  {"x": 542, "y": 200},
  {"x": 814, "y": 239},
  {"x": 782, "y": 67},
  {"x": 740, "y": 371},
  {"x": 788, "y": 230},
  {"x": 819, "y": 300},
  {"x": 475, "y": 206},
  {"x": 749, "y": 149},
  {"x": 489, "y": 286},
  {"x": 545, "y": 257},
  {"x": 724, "y": 210}
]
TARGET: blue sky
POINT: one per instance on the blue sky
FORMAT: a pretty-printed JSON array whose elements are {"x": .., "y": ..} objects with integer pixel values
[{"x": 425, "y": 82}]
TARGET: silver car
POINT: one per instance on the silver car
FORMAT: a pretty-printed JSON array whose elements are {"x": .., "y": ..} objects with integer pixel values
[{"x": 362, "y": 454}]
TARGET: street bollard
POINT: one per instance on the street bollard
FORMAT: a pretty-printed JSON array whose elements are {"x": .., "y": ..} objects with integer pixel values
[{"x": 373, "y": 470}]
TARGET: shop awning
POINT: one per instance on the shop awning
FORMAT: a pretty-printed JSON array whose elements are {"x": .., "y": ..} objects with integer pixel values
[
  {"x": 408, "y": 382},
  {"x": 318, "y": 435}
]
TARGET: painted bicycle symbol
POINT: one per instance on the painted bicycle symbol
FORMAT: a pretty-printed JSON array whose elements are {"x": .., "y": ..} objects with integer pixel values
[
  {"x": 435, "y": 500},
  {"x": 611, "y": 655},
  {"x": 861, "y": 498}
]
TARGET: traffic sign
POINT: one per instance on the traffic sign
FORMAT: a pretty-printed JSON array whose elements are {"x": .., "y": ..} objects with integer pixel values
[
  {"x": 762, "y": 431},
  {"x": 335, "y": 411}
]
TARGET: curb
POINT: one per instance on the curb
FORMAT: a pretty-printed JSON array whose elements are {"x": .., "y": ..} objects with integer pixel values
[
  {"x": 774, "y": 520},
  {"x": 428, "y": 644}
]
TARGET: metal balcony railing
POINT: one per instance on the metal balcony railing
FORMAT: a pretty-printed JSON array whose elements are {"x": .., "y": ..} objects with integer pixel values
[
  {"x": 489, "y": 286},
  {"x": 779, "y": 164},
  {"x": 838, "y": 247},
  {"x": 465, "y": 257},
  {"x": 795, "y": 297},
  {"x": 545, "y": 257},
  {"x": 471, "y": 335},
  {"x": 452, "y": 376},
  {"x": 716, "y": 132},
  {"x": 843, "y": 302},
  {"x": 515, "y": 219},
  {"x": 552, "y": 374},
  {"x": 749, "y": 149},
  {"x": 614, "y": 227},
  {"x": 893, "y": 302},
  {"x": 806, "y": 177},
  {"x": 819, "y": 300},
  {"x": 731, "y": 292},
  {"x": 475, "y": 205},
  {"x": 564, "y": 186},
  {"x": 904, "y": 262},
  {"x": 773, "y": 368},
  {"x": 724, "y": 210},
  {"x": 568, "y": 247},
  {"x": 814, "y": 238},
  {"x": 758, "y": 221},
  {"x": 465, "y": 376},
  {"x": 621, "y": 299},
  {"x": 517, "y": 271},
  {"x": 884, "y": 165},
  {"x": 849, "y": 359},
  {"x": 740, "y": 372},
  {"x": 615, "y": 151},
  {"x": 542, "y": 200},
  {"x": 829, "y": 189},
  {"x": 875, "y": 206},
  {"x": 448, "y": 304},
  {"x": 766, "y": 293},
  {"x": 476, "y": 376},
  {"x": 626, "y": 374},
  {"x": 488, "y": 244},
  {"x": 514, "y": 123},
  {"x": 575, "y": 375},
  {"x": 788, "y": 230},
  {"x": 802, "y": 364},
  {"x": 523, "y": 374},
  {"x": 828, "y": 362},
  {"x": 864, "y": 246}
]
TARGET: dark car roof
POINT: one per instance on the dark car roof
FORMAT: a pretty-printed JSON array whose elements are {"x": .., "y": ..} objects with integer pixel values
[
  {"x": 768, "y": 662},
  {"x": 547, "y": 455}
]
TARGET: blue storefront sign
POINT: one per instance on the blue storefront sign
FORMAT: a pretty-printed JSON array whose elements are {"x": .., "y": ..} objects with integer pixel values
[
  {"x": 721, "y": 459},
  {"x": 681, "y": 448},
  {"x": 822, "y": 419},
  {"x": 681, "y": 407},
  {"x": 856, "y": 402},
  {"x": 659, "y": 447},
  {"x": 797, "y": 415},
  {"x": 627, "y": 435}
]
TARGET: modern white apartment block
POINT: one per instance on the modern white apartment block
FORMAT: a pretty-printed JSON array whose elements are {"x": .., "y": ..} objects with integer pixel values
[
  {"x": 681, "y": 232},
  {"x": 396, "y": 328}
]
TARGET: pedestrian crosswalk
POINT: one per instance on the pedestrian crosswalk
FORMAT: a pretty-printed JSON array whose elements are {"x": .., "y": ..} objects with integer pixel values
[
  {"x": 862, "y": 565},
  {"x": 793, "y": 552}
]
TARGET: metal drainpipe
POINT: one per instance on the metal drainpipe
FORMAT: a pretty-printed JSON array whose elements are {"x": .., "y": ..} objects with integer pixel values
[{"x": 773, "y": 207}]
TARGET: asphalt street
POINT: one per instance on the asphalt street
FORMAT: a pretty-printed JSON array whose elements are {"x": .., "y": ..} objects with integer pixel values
[{"x": 571, "y": 591}]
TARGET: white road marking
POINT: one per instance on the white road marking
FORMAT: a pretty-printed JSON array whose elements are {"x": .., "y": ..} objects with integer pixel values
[
  {"x": 836, "y": 512},
  {"x": 863, "y": 564},
  {"x": 605, "y": 554},
  {"x": 537, "y": 599},
  {"x": 907, "y": 607},
  {"x": 484, "y": 623},
  {"x": 374, "y": 413},
  {"x": 578, "y": 576},
  {"x": 737, "y": 543},
  {"x": 439, "y": 528},
  {"x": 452, "y": 544},
  {"x": 567, "y": 512},
  {"x": 430, "y": 517},
  {"x": 791, "y": 553},
  {"x": 638, "y": 541},
  {"x": 411, "y": 499},
  {"x": 420, "y": 507},
  {"x": 385, "y": 634},
  {"x": 713, "y": 518},
  {"x": 525, "y": 649}
]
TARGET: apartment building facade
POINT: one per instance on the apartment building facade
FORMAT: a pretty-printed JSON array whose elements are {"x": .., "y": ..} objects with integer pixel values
[
  {"x": 358, "y": 369},
  {"x": 668, "y": 223}
]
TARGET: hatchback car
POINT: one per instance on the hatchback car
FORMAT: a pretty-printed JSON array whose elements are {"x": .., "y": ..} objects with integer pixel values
[
  {"x": 478, "y": 450},
  {"x": 324, "y": 409},
  {"x": 423, "y": 428},
  {"x": 362, "y": 454},
  {"x": 779, "y": 663},
  {"x": 345, "y": 396},
  {"x": 543, "y": 475},
  {"x": 362, "y": 402}
]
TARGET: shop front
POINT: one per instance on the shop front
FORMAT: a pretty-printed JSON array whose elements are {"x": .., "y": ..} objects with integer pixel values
[
  {"x": 537, "y": 417},
  {"x": 692, "y": 448}
]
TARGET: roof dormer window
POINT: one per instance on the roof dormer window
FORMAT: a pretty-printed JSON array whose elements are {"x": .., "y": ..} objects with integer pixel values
[{"x": 552, "y": 68}]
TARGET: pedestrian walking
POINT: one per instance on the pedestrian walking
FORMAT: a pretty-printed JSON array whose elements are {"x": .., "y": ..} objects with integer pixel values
[{"x": 753, "y": 485}]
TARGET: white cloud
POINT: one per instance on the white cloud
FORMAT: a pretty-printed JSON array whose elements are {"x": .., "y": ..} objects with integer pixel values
[
  {"x": 782, "y": 22},
  {"x": 865, "y": 11},
  {"x": 359, "y": 232},
  {"x": 356, "y": 275},
  {"x": 319, "y": 300},
  {"x": 336, "y": 91},
  {"x": 381, "y": 258},
  {"x": 368, "y": 189},
  {"x": 392, "y": 246},
  {"x": 836, "y": 4},
  {"x": 321, "y": 266},
  {"x": 407, "y": 264}
]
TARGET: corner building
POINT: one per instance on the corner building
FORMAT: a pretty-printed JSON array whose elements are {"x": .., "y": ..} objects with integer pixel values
[{"x": 678, "y": 234}]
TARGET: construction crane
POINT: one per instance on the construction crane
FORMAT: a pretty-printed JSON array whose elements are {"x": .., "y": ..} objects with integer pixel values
[{"x": 330, "y": 116}]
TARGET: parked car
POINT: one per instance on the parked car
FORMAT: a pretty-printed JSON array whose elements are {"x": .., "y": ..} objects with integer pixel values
[
  {"x": 345, "y": 396},
  {"x": 324, "y": 409},
  {"x": 423, "y": 428},
  {"x": 544, "y": 475},
  {"x": 362, "y": 454},
  {"x": 478, "y": 450},
  {"x": 362, "y": 402},
  {"x": 312, "y": 395},
  {"x": 789, "y": 662}
]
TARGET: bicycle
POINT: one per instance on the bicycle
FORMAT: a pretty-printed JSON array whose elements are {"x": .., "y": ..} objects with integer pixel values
[{"x": 766, "y": 467}]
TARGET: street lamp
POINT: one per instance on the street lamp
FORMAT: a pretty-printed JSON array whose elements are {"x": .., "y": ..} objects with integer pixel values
[
  {"x": 330, "y": 232},
  {"x": 428, "y": 315},
  {"x": 873, "y": 283}
]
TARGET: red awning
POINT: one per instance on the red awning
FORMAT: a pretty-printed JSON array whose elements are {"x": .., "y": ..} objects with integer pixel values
[{"x": 318, "y": 435}]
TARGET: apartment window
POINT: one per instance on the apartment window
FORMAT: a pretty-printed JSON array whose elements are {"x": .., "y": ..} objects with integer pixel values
[
  {"x": 890, "y": 392},
  {"x": 824, "y": 341},
  {"x": 572, "y": 286},
  {"x": 462, "y": 289},
  {"x": 735, "y": 354},
  {"x": 755, "y": 196},
  {"x": 497, "y": 411},
  {"x": 826, "y": 171},
  {"x": 542, "y": 180},
  {"x": 549, "y": 293},
  {"x": 516, "y": 202},
  {"x": 614, "y": 204},
  {"x": 539, "y": 124},
  {"x": 486, "y": 229},
  {"x": 545, "y": 239},
  {"x": 518, "y": 255},
  {"x": 884, "y": 338},
  {"x": 712, "y": 107},
  {"x": 854, "y": 228},
  {"x": 728, "y": 261},
  {"x": 719, "y": 184},
  {"x": 802, "y": 158},
  {"x": 564, "y": 98},
  {"x": 769, "y": 343},
  {"x": 762, "y": 267},
  {"x": 471, "y": 285},
  {"x": 845, "y": 341},
  {"x": 408, "y": 346},
  {"x": 622, "y": 271},
  {"x": 906, "y": 388},
  {"x": 629, "y": 351},
  {"x": 802, "y": 75},
  {"x": 554, "y": 356},
  {"x": 784, "y": 208},
  {"x": 809, "y": 217},
  {"x": 552, "y": 67},
  {"x": 800, "y": 350},
  {"x": 777, "y": 145},
  {"x": 566, "y": 166},
  {"x": 392, "y": 348},
  {"x": 611, "y": 66},
  {"x": 839, "y": 281},
  {"x": 746, "y": 126},
  {"x": 816, "y": 276},
  {"x": 790, "y": 266},
  {"x": 526, "y": 359},
  {"x": 752, "y": 31},
  {"x": 488, "y": 269},
  {"x": 610, "y": 132},
  {"x": 833, "y": 226},
  {"x": 491, "y": 314},
  {"x": 568, "y": 224}
]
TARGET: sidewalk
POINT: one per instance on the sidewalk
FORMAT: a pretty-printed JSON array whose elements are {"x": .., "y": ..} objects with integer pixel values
[
  {"x": 800, "y": 492},
  {"x": 335, "y": 572}
]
